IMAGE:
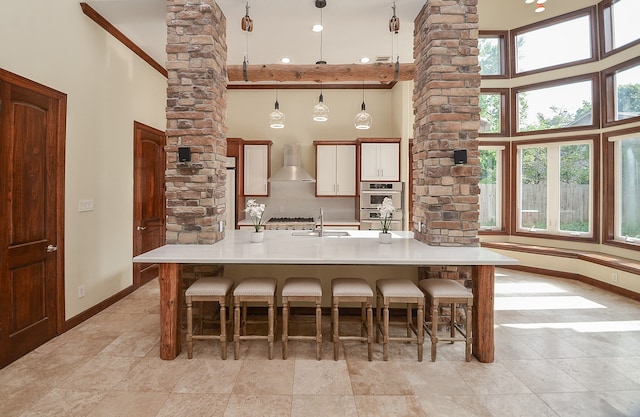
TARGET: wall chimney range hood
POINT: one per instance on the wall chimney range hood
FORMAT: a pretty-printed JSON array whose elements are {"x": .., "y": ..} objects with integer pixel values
[{"x": 292, "y": 170}]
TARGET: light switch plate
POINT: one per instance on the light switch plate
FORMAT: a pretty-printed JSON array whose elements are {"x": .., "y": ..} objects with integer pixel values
[{"x": 85, "y": 205}]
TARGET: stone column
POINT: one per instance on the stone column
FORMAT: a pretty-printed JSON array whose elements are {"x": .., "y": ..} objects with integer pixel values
[
  {"x": 196, "y": 108},
  {"x": 447, "y": 115}
]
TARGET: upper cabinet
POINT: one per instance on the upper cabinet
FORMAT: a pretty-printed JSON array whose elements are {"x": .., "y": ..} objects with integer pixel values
[
  {"x": 380, "y": 161},
  {"x": 256, "y": 157},
  {"x": 335, "y": 169}
]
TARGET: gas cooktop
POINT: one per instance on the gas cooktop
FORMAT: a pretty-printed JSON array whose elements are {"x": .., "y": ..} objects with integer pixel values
[{"x": 291, "y": 220}]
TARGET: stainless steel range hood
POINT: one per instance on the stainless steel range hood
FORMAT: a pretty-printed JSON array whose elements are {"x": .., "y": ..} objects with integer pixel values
[{"x": 292, "y": 170}]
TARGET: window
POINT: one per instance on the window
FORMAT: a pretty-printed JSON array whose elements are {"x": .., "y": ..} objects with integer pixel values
[
  {"x": 622, "y": 92},
  {"x": 492, "y": 54},
  {"x": 493, "y": 109},
  {"x": 555, "y": 188},
  {"x": 566, "y": 40},
  {"x": 622, "y": 179},
  {"x": 618, "y": 23},
  {"x": 562, "y": 104},
  {"x": 493, "y": 186}
]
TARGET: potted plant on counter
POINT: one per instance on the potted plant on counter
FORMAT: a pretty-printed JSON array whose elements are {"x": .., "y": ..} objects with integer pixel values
[
  {"x": 255, "y": 212},
  {"x": 386, "y": 210}
]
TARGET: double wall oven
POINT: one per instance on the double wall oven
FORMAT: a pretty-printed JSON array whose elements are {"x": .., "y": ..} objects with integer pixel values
[{"x": 371, "y": 196}]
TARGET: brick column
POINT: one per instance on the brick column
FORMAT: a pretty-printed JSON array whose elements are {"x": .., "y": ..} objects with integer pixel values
[
  {"x": 446, "y": 91},
  {"x": 196, "y": 106}
]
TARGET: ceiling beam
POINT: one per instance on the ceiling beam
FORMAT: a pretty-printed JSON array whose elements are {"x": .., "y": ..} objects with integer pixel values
[{"x": 380, "y": 72}]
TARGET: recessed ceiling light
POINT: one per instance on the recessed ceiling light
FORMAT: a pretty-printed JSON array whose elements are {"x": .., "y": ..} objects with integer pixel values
[
  {"x": 285, "y": 60},
  {"x": 364, "y": 60},
  {"x": 539, "y": 8},
  {"x": 529, "y": 1},
  {"x": 542, "y": 1},
  {"x": 317, "y": 28}
]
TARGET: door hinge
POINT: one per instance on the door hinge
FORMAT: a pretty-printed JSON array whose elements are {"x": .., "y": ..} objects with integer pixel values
[{"x": 0, "y": 105}]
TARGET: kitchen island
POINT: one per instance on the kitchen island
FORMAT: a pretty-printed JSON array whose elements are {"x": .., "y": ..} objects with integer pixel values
[{"x": 281, "y": 247}]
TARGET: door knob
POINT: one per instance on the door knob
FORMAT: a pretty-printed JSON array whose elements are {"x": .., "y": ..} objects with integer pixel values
[
  {"x": 52, "y": 248},
  {"x": 141, "y": 227}
]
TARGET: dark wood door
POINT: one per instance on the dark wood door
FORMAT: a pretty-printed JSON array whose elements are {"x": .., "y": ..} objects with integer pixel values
[
  {"x": 148, "y": 200},
  {"x": 31, "y": 195}
]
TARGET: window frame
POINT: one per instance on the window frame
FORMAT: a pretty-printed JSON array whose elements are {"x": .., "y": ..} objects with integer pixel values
[
  {"x": 609, "y": 196},
  {"x": 608, "y": 94},
  {"x": 605, "y": 26},
  {"x": 505, "y": 111},
  {"x": 595, "y": 103},
  {"x": 503, "y": 38},
  {"x": 588, "y": 11},
  {"x": 595, "y": 189},
  {"x": 505, "y": 188}
]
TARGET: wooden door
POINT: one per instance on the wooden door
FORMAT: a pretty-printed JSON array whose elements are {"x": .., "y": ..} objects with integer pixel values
[
  {"x": 31, "y": 215},
  {"x": 149, "y": 198}
]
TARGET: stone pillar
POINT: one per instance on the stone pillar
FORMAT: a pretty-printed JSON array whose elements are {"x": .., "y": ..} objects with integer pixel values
[
  {"x": 196, "y": 108},
  {"x": 447, "y": 116}
]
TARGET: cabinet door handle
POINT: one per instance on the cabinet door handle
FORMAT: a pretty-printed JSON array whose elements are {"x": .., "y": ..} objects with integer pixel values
[{"x": 52, "y": 248}]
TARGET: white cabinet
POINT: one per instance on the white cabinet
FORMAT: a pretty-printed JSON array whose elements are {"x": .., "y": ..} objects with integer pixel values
[
  {"x": 256, "y": 170},
  {"x": 336, "y": 170},
  {"x": 380, "y": 162}
]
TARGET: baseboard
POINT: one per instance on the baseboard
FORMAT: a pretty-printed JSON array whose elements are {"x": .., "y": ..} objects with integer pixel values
[{"x": 92, "y": 311}]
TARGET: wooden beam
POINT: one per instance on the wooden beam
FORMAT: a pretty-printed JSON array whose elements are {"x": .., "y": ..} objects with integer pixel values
[
  {"x": 106, "y": 25},
  {"x": 384, "y": 73}
]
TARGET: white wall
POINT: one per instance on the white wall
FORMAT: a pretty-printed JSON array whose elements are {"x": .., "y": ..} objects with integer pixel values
[
  {"x": 248, "y": 112},
  {"x": 247, "y": 118},
  {"x": 107, "y": 87}
]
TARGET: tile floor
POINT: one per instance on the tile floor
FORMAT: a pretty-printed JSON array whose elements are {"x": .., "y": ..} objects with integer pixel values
[{"x": 563, "y": 348}]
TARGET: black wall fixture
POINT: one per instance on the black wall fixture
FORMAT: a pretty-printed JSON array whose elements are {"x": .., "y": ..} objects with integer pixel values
[
  {"x": 184, "y": 154},
  {"x": 460, "y": 156}
]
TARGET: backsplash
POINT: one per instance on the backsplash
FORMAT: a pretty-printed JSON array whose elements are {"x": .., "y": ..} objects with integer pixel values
[{"x": 289, "y": 199}]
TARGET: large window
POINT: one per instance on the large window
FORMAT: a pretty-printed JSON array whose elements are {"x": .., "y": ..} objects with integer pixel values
[
  {"x": 555, "y": 188},
  {"x": 492, "y": 54},
  {"x": 566, "y": 40},
  {"x": 493, "y": 108},
  {"x": 493, "y": 161},
  {"x": 622, "y": 92},
  {"x": 563, "y": 104},
  {"x": 619, "y": 24},
  {"x": 623, "y": 187}
]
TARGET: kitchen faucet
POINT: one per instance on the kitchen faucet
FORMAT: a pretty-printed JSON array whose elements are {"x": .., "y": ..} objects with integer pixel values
[{"x": 321, "y": 219}]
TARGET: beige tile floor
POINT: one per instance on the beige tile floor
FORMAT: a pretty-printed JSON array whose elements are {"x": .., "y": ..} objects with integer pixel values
[{"x": 563, "y": 348}]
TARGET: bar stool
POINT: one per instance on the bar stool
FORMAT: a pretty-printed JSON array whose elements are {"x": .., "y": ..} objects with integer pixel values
[
  {"x": 352, "y": 290},
  {"x": 301, "y": 289},
  {"x": 208, "y": 290},
  {"x": 253, "y": 289},
  {"x": 446, "y": 291},
  {"x": 399, "y": 291}
]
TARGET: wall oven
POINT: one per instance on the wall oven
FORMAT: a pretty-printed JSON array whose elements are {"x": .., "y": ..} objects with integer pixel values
[{"x": 371, "y": 196}]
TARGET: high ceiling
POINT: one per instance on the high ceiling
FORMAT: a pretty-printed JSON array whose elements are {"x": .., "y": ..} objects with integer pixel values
[{"x": 353, "y": 28}]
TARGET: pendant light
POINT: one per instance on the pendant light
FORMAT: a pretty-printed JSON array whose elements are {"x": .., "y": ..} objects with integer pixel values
[
  {"x": 276, "y": 118},
  {"x": 363, "y": 119},
  {"x": 320, "y": 110}
]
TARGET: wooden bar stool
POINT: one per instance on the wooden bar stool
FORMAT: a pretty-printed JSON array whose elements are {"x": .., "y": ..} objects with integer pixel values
[
  {"x": 447, "y": 291},
  {"x": 253, "y": 289},
  {"x": 301, "y": 289},
  {"x": 399, "y": 291},
  {"x": 352, "y": 290},
  {"x": 207, "y": 290}
]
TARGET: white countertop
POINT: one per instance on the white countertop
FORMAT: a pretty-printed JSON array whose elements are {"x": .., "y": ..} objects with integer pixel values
[{"x": 360, "y": 248}]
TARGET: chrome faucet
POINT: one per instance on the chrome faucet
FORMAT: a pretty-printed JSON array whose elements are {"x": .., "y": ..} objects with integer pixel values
[{"x": 321, "y": 220}]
